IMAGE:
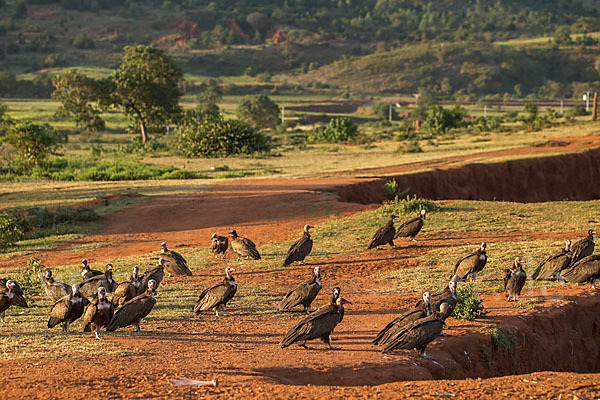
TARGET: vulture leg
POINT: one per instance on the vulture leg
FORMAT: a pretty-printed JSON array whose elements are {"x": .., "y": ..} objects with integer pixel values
[
  {"x": 2, "y": 316},
  {"x": 424, "y": 355},
  {"x": 217, "y": 311},
  {"x": 304, "y": 345},
  {"x": 222, "y": 309},
  {"x": 96, "y": 329},
  {"x": 560, "y": 278},
  {"x": 594, "y": 283},
  {"x": 306, "y": 310},
  {"x": 325, "y": 338},
  {"x": 137, "y": 327},
  {"x": 413, "y": 239}
]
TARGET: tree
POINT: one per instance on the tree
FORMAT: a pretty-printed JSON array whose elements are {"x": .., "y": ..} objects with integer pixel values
[
  {"x": 338, "y": 130},
  {"x": 440, "y": 120},
  {"x": 562, "y": 36},
  {"x": 5, "y": 120},
  {"x": 34, "y": 142},
  {"x": 146, "y": 86},
  {"x": 260, "y": 111}
]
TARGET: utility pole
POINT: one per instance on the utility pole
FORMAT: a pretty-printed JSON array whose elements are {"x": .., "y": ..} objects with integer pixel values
[
  {"x": 282, "y": 114},
  {"x": 586, "y": 97},
  {"x": 595, "y": 107},
  {"x": 561, "y": 107},
  {"x": 390, "y": 112},
  {"x": 485, "y": 111}
]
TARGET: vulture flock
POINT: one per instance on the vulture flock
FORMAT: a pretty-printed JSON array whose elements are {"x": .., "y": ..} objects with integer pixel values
[{"x": 132, "y": 300}]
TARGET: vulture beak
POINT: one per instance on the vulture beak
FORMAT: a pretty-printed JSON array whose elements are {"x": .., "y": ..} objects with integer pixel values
[
  {"x": 48, "y": 274},
  {"x": 344, "y": 301}
]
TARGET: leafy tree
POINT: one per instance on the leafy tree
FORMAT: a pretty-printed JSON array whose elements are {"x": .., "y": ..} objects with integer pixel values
[
  {"x": 382, "y": 111},
  {"x": 34, "y": 142},
  {"x": 259, "y": 110},
  {"x": 440, "y": 120},
  {"x": 208, "y": 99},
  {"x": 562, "y": 36},
  {"x": 146, "y": 86},
  {"x": 338, "y": 130},
  {"x": 5, "y": 120},
  {"x": 83, "y": 41}
]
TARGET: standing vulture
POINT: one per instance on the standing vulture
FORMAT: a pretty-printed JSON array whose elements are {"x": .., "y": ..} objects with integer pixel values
[
  {"x": 156, "y": 274},
  {"x": 337, "y": 293},
  {"x": 304, "y": 293},
  {"x": 243, "y": 247},
  {"x": 584, "y": 270},
  {"x": 554, "y": 264},
  {"x": 472, "y": 264},
  {"x": 301, "y": 248},
  {"x": 317, "y": 325},
  {"x": 411, "y": 227},
  {"x": 421, "y": 311},
  {"x": 418, "y": 334},
  {"x": 67, "y": 309},
  {"x": 218, "y": 295},
  {"x": 129, "y": 289},
  {"x": 219, "y": 245},
  {"x": 384, "y": 235},
  {"x": 514, "y": 279},
  {"x": 583, "y": 248},
  {"x": 89, "y": 288},
  {"x": 179, "y": 265},
  {"x": 55, "y": 290},
  {"x": 98, "y": 313},
  {"x": 87, "y": 272},
  {"x": 10, "y": 296},
  {"x": 134, "y": 310}
]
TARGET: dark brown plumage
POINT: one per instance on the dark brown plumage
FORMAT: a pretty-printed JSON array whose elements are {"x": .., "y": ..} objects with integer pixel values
[
  {"x": 585, "y": 270},
  {"x": 219, "y": 245},
  {"x": 9, "y": 296},
  {"x": 155, "y": 274},
  {"x": 218, "y": 295},
  {"x": 89, "y": 288},
  {"x": 317, "y": 325},
  {"x": 134, "y": 310},
  {"x": 304, "y": 293},
  {"x": 301, "y": 248},
  {"x": 384, "y": 235},
  {"x": 178, "y": 265},
  {"x": 87, "y": 272},
  {"x": 68, "y": 309},
  {"x": 514, "y": 280},
  {"x": 55, "y": 290},
  {"x": 553, "y": 265},
  {"x": 98, "y": 313},
  {"x": 472, "y": 264},
  {"x": 417, "y": 334},
  {"x": 243, "y": 247},
  {"x": 128, "y": 289},
  {"x": 583, "y": 248},
  {"x": 421, "y": 311},
  {"x": 412, "y": 227}
]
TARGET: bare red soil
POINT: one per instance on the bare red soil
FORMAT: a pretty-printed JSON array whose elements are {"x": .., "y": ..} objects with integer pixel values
[{"x": 561, "y": 336}]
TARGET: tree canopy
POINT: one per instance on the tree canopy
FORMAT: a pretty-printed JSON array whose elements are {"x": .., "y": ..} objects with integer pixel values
[{"x": 258, "y": 110}]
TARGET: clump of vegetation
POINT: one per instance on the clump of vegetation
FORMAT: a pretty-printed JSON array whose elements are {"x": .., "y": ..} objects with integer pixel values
[
  {"x": 10, "y": 232},
  {"x": 408, "y": 205},
  {"x": 469, "y": 306},
  {"x": 505, "y": 341},
  {"x": 338, "y": 130},
  {"x": 529, "y": 304},
  {"x": 259, "y": 111},
  {"x": 440, "y": 120},
  {"x": 34, "y": 142}
]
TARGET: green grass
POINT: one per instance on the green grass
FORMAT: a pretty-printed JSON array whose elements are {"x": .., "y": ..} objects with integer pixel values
[{"x": 541, "y": 41}]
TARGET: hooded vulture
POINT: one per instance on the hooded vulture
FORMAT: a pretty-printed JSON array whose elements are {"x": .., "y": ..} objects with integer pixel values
[
  {"x": 219, "y": 245},
  {"x": 584, "y": 270},
  {"x": 55, "y": 290},
  {"x": 67, "y": 309},
  {"x": 384, "y": 235},
  {"x": 418, "y": 334},
  {"x": 583, "y": 248},
  {"x": 218, "y": 295},
  {"x": 156, "y": 274},
  {"x": 89, "y": 288},
  {"x": 129, "y": 289},
  {"x": 411, "y": 227},
  {"x": 178, "y": 265},
  {"x": 98, "y": 313},
  {"x": 9, "y": 296},
  {"x": 87, "y": 272},
  {"x": 134, "y": 310},
  {"x": 554, "y": 264},
  {"x": 301, "y": 248},
  {"x": 304, "y": 293},
  {"x": 472, "y": 264},
  {"x": 243, "y": 247},
  {"x": 421, "y": 311},
  {"x": 514, "y": 279},
  {"x": 337, "y": 292}
]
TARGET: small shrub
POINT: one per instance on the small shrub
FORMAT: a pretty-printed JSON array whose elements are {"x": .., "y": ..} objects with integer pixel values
[
  {"x": 83, "y": 41},
  {"x": 505, "y": 341},
  {"x": 390, "y": 188},
  {"x": 338, "y": 130},
  {"x": 10, "y": 232},
  {"x": 408, "y": 205},
  {"x": 34, "y": 142},
  {"x": 469, "y": 306}
]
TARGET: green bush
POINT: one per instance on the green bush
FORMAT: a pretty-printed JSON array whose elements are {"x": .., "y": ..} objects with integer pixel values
[
  {"x": 338, "y": 130},
  {"x": 440, "y": 120},
  {"x": 469, "y": 306},
  {"x": 259, "y": 111},
  {"x": 10, "y": 231},
  {"x": 34, "y": 142},
  {"x": 408, "y": 205},
  {"x": 82, "y": 41},
  {"x": 217, "y": 137}
]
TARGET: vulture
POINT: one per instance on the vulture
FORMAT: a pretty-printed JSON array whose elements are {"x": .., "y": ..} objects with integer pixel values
[
  {"x": 411, "y": 227},
  {"x": 301, "y": 248},
  {"x": 583, "y": 248},
  {"x": 317, "y": 325},
  {"x": 584, "y": 270},
  {"x": 448, "y": 297},
  {"x": 514, "y": 280},
  {"x": 243, "y": 247},
  {"x": 87, "y": 272},
  {"x": 67, "y": 309},
  {"x": 554, "y": 264},
  {"x": 471, "y": 264},
  {"x": 421, "y": 311},
  {"x": 89, "y": 288},
  {"x": 55, "y": 290},
  {"x": 10, "y": 296},
  {"x": 219, "y": 245},
  {"x": 179, "y": 265},
  {"x": 218, "y": 295},
  {"x": 384, "y": 235},
  {"x": 418, "y": 334},
  {"x": 129, "y": 289},
  {"x": 156, "y": 274},
  {"x": 304, "y": 293},
  {"x": 134, "y": 310},
  {"x": 337, "y": 292},
  {"x": 98, "y": 313}
]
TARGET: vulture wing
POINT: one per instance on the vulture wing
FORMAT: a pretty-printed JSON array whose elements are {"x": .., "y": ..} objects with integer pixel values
[
  {"x": 316, "y": 325},
  {"x": 178, "y": 264},
  {"x": 551, "y": 265},
  {"x": 156, "y": 273},
  {"x": 583, "y": 270},
  {"x": 383, "y": 236},
  {"x": 299, "y": 250},
  {"x": 123, "y": 293},
  {"x": 303, "y": 293},
  {"x": 409, "y": 228},
  {"x": 397, "y": 323},
  {"x": 214, "y": 296},
  {"x": 415, "y": 335},
  {"x": 131, "y": 312}
]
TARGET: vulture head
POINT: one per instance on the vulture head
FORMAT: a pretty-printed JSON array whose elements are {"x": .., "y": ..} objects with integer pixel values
[
  {"x": 136, "y": 271},
  {"x": 591, "y": 232},
  {"x": 162, "y": 261},
  {"x": 163, "y": 247},
  {"x": 84, "y": 263},
  {"x": 393, "y": 217},
  {"x": 228, "y": 271},
  {"x": 317, "y": 272},
  {"x": 213, "y": 237},
  {"x": 423, "y": 213},
  {"x": 10, "y": 285},
  {"x": 427, "y": 298},
  {"x": 453, "y": 284},
  {"x": 152, "y": 284},
  {"x": 568, "y": 245},
  {"x": 101, "y": 293},
  {"x": 483, "y": 247},
  {"x": 518, "y": 261},
  {"x": 444, "y": 308},
  {"x": 233, "y": 233},
  {"x": 307, "y": 228},
  {"x": 109, "y": 267},
  {"x": 48, "y": 274},
  {"x": 75, "y": 289},
  {"x": 337, "y": 291}
]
